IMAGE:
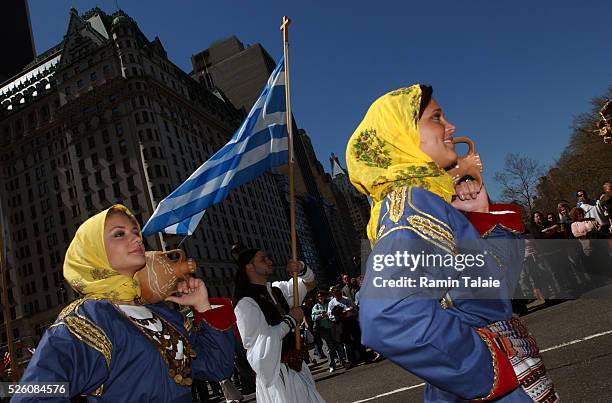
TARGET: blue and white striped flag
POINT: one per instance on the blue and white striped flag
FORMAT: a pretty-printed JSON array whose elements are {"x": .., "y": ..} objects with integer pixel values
[{"x": 260, "y": 143}]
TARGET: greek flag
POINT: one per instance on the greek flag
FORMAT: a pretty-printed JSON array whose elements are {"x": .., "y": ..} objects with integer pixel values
[{"x": 260, "y": 143}]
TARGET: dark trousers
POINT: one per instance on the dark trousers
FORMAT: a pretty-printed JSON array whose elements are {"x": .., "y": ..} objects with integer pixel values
[{"x": 335, "y": 348}]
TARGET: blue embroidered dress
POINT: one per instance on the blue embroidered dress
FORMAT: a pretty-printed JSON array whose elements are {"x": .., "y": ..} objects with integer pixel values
[
  {"x": 103, "y": 352},
  {"x": 440, "y": 336}
]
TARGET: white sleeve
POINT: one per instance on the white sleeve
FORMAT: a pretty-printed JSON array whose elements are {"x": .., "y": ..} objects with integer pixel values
[
  {"x": 330, "y": 306},
  {"x": 262, "y": 341},
  {"x": 287, "y": 288}
]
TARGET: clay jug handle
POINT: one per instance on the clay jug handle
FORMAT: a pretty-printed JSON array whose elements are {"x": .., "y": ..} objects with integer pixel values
[
  {"x": 468, "y": 164},
  {"x": 465, "y": 140},
  {"x": 182, "y": 267}
]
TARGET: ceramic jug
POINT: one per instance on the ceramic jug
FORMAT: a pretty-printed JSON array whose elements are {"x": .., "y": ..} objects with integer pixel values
[
  {"x": 160, "y": 275},
  {"x": 468, "y": 164}
]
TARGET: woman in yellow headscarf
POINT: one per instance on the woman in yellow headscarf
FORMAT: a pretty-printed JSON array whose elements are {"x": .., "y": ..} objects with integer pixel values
[
  {"x": 108, "y": 345},
  {"x": 412, "y": 310}
]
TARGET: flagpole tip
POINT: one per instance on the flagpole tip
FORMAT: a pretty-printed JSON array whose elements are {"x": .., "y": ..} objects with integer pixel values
[{"x": 285, "y": 23}]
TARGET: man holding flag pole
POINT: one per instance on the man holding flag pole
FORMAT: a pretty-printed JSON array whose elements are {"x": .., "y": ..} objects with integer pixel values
[{"x": 264, "y": 319}]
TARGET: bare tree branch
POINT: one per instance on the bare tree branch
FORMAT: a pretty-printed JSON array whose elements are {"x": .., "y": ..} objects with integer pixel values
[{"x": 520, "y": 179}]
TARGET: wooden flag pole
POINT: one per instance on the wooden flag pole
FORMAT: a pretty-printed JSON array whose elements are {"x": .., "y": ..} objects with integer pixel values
[{"x": 296, "y": 301}]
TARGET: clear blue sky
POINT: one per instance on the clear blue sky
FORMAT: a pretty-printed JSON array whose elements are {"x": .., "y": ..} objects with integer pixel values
[{"x": 511, "y": 75}]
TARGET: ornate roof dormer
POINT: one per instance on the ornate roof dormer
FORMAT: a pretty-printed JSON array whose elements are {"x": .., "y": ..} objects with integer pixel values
[{"x": 120, "y": 17}]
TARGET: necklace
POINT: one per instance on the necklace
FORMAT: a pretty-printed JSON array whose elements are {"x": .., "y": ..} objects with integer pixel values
[{"x": 171, "y": 345}]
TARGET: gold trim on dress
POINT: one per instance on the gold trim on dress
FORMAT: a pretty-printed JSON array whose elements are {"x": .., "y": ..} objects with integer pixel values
[
  {"x": 85, "y": 329},
  {"x": 431, "y": 231},
  {"x": 422, "y": 235},
  {"x": 488, "y": 232},
  {"x": 393, "y": 229},
  {"x": 69, "y": 308},
  {"x": 397, "y": 202},
  {"x": 424, "y": 213},
  {"x": 495, "y": 368},
  {"x": 89, "y": 335}
]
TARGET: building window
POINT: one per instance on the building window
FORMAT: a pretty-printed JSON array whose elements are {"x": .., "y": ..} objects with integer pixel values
[
  {"x": 135, "y": 203},
  {"x": 116, "y": 190},
  {"x": 122, "y": 147}
]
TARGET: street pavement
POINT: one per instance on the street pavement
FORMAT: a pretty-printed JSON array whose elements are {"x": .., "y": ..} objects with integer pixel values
[{"x": 575, "y": 338}]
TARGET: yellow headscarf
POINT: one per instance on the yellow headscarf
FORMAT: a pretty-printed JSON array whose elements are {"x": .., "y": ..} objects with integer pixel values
[
  {"x": 86, "y": 266},
  {"x": 384, "y": 153}
]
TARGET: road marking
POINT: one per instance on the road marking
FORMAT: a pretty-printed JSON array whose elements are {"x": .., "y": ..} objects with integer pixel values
[
  {"x": 569, "y": 343},
  {"x": 392, "y": 392},
  {"x": 576, "y": 341}
]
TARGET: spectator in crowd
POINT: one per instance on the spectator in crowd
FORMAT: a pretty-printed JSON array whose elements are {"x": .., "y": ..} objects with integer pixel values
[
  {"x": 540, "y": 228},
  {"x": 358, "y": 280},
  {"x": 310, "y": 326},
  {"x": 339, "y": 309},
  {"x": 592, "y": 209},
  {"x": 544, "y": 280},
  {"x": 563, "y": 209},
  {"x": 596, "y": 255},
  {"x": 321, "y": 321},
  {"x": 343, "y": 312},
  {"x": 582, "y": 228},
  {"x": 606, "y": 204},
  {"x": 348, "y": 289}
]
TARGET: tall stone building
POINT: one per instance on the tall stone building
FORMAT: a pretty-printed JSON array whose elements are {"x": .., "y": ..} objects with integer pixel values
[
  {"x": 16, "y": 40},
  {"x": 79, "y": 125},
  {"x": 332, "y": 202},
  {"x": 358, "y": 207},
  {"x": 241, "y": 72},
  {"x": 325, "y": 235}
]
